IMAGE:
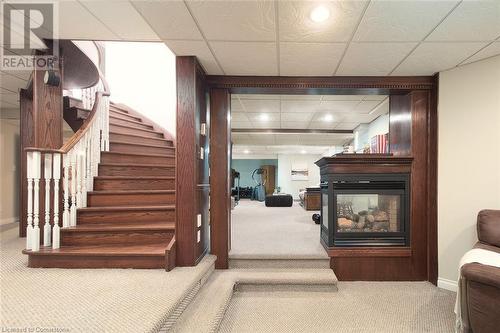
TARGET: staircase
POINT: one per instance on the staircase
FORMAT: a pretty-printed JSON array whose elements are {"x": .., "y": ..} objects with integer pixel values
[{"x": 129, "y": 219}]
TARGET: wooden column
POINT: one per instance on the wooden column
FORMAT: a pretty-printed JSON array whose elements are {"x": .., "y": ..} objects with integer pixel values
[
  {"x": 192, "y": 170},
  {"x": 41, "y": 122},
  {"x": 220, "y": 196}
]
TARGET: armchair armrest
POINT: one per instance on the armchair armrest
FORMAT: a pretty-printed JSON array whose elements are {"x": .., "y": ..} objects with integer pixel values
[{"x": 483, "y": 274}]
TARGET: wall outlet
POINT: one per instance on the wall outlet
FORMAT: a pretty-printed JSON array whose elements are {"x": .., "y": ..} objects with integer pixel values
[{"x": 198, "y": 219}]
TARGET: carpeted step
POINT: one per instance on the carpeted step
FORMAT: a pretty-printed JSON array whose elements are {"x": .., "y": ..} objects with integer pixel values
[
  {"x": 268, "y": 262},
  {"x": 207, "y": 310}
]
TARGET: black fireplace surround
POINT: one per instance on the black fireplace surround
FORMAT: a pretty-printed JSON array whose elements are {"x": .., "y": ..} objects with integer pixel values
[{"x": 366, "y": 210}]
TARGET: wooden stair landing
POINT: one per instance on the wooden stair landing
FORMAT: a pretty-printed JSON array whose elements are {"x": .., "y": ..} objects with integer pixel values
[{"x": 129, "y": 221}]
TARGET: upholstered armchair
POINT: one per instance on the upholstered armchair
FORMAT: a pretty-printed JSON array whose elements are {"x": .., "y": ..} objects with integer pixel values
[{"x": 480, "y": 284}]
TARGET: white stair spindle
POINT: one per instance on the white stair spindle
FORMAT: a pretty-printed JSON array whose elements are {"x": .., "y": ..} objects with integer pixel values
[
  {"x": 66, "y": 214},
  {"x": 29, "y": 215},
  {"x": 35, "y": 239},
  {"x": 73, "y": 182},
  {"x": 56, "y": 176},
  {"x": 81, "y": 177},
  {"x": 47, "y": 175}
]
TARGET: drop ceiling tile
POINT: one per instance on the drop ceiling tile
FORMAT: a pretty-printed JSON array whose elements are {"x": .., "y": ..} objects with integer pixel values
[
  {"x": 470, "y": 21},
  {"x": 239, "y": 116},
  {"x": 310, "y": 59},
  {"x": 256, "y": 118},
  {"x": 338, "y": 106},
  {"x": 303, "y": 117},
  {"x": 374, "y": 97},
  {"x": 197, "y": 48},
  {"x": 169, "y": 19},
  {"x": 343, "y": 97},
  {"x": 113, "y": 12},
  {"x": 266, "y": 124},
  {"x": 246, "y": 58},
  {"x": 241, "y": 124},
  {"x": 300, "y": 106},
  {"x": 76, "y": 22},
  {"x": 322, "y": 125},
  {"x": 257, "y": 96},
  {"x": 401, "y": 21},
  {"x": 358, "y": 118},
  {"x": 236, "y": 105},
  {"x": 287, "y": 139},
  {"x": 293, "y": 124},
  {"x": 235, "y": 20},
  {"x": 300, "y": 97},
  {"x": 429, "y": 58},
  {"x": 261, "y": 106},
  {"x": 296, "y": 26},
  {"x": 347, "y": 126},
  {"x": 373, "y": 58},
  {"x": 366, "y": 106},
  {"x": 489, "y": 51}
]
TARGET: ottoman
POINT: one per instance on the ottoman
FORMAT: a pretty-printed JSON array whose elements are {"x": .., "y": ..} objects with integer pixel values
[{"x": 279, "y": 200}]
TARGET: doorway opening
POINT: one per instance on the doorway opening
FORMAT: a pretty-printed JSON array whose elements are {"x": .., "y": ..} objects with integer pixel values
[{"x": 275, "y": 183}]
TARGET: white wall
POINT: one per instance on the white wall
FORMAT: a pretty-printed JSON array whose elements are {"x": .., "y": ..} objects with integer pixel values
[
  {"x": 142, "y": 76},
  {"x": 469, "y": 157},
  {"x": 364, "y": 132},
  {"x": 285, "y": 162},
  {"x": 9, "y": 171}
]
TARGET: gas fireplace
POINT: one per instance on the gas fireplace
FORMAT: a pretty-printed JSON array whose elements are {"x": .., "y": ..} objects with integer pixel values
[{"x": 366, "y": 210}]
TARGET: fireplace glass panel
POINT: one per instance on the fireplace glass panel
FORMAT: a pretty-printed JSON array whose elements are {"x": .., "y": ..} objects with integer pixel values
[
  {"x": 368, "y": 213},
  {"x": 324, "y": 210}
]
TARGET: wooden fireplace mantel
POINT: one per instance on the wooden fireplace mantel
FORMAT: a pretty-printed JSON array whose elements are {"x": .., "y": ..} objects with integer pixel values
[{"x": 364, "y": 163}]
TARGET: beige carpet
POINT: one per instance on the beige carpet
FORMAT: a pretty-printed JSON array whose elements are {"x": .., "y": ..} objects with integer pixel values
[
  {"x": 371, "y": 307},
  {"x": 206, "y": 311},
  {"x": 89, "y": 300},
  {"x": 274, "y": 232}
]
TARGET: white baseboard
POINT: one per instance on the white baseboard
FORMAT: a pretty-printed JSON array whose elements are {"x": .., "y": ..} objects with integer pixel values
[{"x": 447, "y": 284}]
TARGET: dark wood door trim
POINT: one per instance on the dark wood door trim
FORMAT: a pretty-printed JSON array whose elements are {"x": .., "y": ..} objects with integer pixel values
[
  {"x": 220, "y": 195},
  {"x": 423, "y": 91}
]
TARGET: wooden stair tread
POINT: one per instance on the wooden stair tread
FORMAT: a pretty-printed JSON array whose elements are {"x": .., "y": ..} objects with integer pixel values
[
  {"x": 134, "y": 177},
  {"x": 104, "y": 250},
  {"x": 141, "y": 144},
  {"x": 140, "y": 136},
  {"x": 146, "y": 165},
  {"x": 133, "y": 154},
  {"x": 137, "y": 122},
  {"x": 129, "y": 208},
  {"x": 127, "y": 227},
  {"x": 135, "y": 128},
  {"x": 131, "y": 192}
]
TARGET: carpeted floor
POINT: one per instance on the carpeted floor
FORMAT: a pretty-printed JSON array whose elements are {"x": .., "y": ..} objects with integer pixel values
[
  {"x": 274, "y": 232},
  {"x": 88, "y": 300},
  {"x": 361, "y": 307}
]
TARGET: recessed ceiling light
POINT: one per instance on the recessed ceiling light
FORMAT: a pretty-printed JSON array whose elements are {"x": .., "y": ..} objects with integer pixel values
[
  {"x": 320, "y": 14},
  {"x": 303, "y": 151},
  {"x": 246, "y": 151},
  {"x": 264, "y": 117},
  {"x": 328, "y": 117}
]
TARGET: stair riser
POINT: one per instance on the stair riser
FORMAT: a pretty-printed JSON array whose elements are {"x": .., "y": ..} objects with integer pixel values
[
  {"x": 60, "y": 261},
  {"x": 116, "y": 121},
  {"x": 103, "y": 200},
  {"x": 122, "y": 115},
  {"x": 136, "y": 131},
  {"x": 134, "y": 149},
  {"x": 136, "y": 159},
  {"x": 133, "y": 184},
  {"x": 137, "y": 139},
  {"x": 114, "y": 237},
  {"x": 126, "y": 216},
  {"x": 114, "y": 170}
]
